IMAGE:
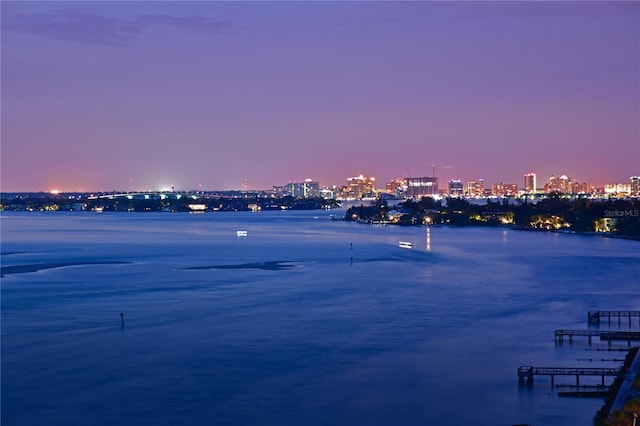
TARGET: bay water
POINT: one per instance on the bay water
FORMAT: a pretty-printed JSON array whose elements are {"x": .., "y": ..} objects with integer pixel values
[{"x": 305, "y": 321}]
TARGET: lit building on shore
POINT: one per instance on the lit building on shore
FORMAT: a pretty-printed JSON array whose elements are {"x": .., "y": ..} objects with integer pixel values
[
  {"x": 634, "y": 182},
  {"x": 305, "y": 189},
  {"x": 475, "y": 188},
  {"x": 504, "y": 189},
  {"x": 455, "y": 188},
  {"x": 361, "y": 187},
  {"x": 530, "y": 183},
  {"x": 330, "y": 193},
  {"x": 421, "y": 186},
  {"x": 396, "y": 187},
  {"x": 560, "y": 184},
  {"x": 581, "y": 188},
  {"x": 620, "y": 189}
]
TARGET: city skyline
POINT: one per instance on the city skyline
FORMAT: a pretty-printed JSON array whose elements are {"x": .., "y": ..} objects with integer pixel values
[{"x": 217, "y": 95}]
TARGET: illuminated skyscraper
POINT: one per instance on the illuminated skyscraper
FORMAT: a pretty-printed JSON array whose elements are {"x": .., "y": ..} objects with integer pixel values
[
  {"x": 621, "y": 189},
  {"x": 530, "y": 183},
  {"x": 361, "y": 186},
  {"x": 475, "y": 188},
  {"x": 306, "y": 189},
  {"x": 396, "y": 187},
  {"x": 560, "y": 184},
  {"x": 422, "y": 186},
  {"x": 456, "y": 189},
  {"x": 504, "y": 189},
  {"x": 581, "y": 188},
  {"x": 635, "y": 185}
]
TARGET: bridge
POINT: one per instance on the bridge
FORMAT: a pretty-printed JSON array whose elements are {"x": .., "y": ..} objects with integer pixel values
[
  {"x": 527, "y": 372},
  {"x": 604, "y": 335},
  {"x": 594, "y": 317}
]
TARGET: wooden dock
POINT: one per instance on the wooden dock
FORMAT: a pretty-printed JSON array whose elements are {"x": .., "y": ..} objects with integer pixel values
[
  {"x": 604, "y": 335},
  {"x": 594, "y": 317},
  {"x": 527, "y": 372}
]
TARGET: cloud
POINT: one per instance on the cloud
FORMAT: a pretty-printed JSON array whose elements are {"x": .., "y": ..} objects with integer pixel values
[
  {"x": 564, "y": 9},
  {"x": 196, "y": 24},
  {"x": 91, "y": 27},
  {"x": 69, "y": 25},
  {"x": 367, "y": 22}
]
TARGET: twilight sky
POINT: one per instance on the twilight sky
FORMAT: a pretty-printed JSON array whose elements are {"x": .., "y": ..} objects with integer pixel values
[{"x": 149, "y": 94}]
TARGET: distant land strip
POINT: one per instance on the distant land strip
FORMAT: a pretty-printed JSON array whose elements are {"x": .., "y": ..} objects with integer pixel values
[{"x": 23, "y": 269}]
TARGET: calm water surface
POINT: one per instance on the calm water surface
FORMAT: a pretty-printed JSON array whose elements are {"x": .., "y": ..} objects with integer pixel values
[{"x": 343, "y": 327}]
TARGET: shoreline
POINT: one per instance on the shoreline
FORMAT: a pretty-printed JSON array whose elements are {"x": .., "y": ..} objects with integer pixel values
[
  {"x": 620, "y": 388},
  {"x": 510, "y": 227}
]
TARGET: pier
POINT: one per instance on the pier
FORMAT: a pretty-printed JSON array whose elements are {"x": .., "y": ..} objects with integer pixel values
[
  {"x": 594, "y": 317},
  {"x": 526, "y": 372},
  {"x": 604, "y": 335}
]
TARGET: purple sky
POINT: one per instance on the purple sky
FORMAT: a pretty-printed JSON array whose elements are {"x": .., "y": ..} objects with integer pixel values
[{"x": 96, "y": 95}]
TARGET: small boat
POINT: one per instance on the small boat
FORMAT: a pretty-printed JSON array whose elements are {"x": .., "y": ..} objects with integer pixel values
[
  {"x": 241, "y": 233},
  {"x": 405, "y": 244}
]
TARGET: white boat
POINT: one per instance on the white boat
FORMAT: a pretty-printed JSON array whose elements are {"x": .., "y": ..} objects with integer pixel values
[
  {"x": 241, "y": 233},
  {"x": 405, "y": 244}
]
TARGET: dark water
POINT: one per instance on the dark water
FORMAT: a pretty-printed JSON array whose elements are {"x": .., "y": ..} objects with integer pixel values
[{"x": 292, "y": 325}]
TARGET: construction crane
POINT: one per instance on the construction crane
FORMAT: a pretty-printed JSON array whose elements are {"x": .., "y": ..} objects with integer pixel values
[{"x": 434, "y": 167}]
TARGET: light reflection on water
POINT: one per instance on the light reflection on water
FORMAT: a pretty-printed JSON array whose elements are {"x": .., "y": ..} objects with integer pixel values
[{"x": 393, "y": 336}]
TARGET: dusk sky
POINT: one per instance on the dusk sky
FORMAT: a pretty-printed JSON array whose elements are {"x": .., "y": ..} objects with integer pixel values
[{"x": 112, "y": 95}]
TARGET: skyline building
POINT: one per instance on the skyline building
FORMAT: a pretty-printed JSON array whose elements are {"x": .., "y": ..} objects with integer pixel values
[
  {"x": 617, "y": 188},
  {"x": 634, "y": 182},
  {"x": 360, "y": 186},
  {"x": 305, "y": 189},
  {"x": 455, "y": 188},
  {"x": 581, "y": 188},
  {"x": 421, "y": 186},
  {"x": 504, "y": 189},
  {"x": 397, "y": 186},
  {"x": 530, "y": 183},
  {"x": 560, "y": 184},
  {"x": 475, "y": 188}
]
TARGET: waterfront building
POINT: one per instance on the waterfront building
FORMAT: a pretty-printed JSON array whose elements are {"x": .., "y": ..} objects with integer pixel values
[
  {"x": 475, "y": 188},
  {"x": 530, "y": 183},
  {"x": 361, "y": 187},
  {"x": 581, "y": 188},
  {"x": 455, "y": 188},
  {"x": 305, "y": 189},
  {"x": 397, "y": 187},
  {"x": 622, "y": 189},
  {"x": 421, "y": 186},
  {"x": 329, "y": 193},
  {"x": 560, "y": 184},
  {"x": 280, "y": 191},
  {"x": 635, "y": 186},
  {"x": 504, "y": 189}
]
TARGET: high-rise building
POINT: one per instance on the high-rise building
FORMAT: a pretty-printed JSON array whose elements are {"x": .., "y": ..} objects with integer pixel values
[
  {"x": 634, "y": 181},
  {"x": 361, "y": 186},
  {"x": 530, "y": 183},
  {"x": 504, "y": 189},
  {"x": 617, "y": 188},
  {"x": 306, "y": 189},
  {"x": 456, "y": 188},
  {"x": 421, "y": 186},
  {"x": 560, "y": 184},
  {"x": 328, "y": 193},
  {"x": 581, "y": 188},
  {"x": 475, "y": 188},
  {"x": 396, "y": 187}
]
